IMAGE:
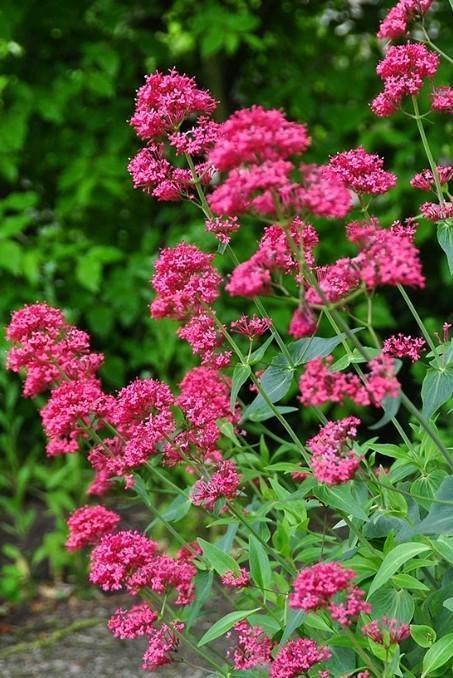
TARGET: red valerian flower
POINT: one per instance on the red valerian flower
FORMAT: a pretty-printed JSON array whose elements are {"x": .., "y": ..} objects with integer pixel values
[
  {"x": 184, "y": 279},
  {"x": 442, "y": 99},
  {"x": 333, "y": 460},
  {"x": 162, "y": 643},
  {"x": 362, "y": 172},
  {"x": 404, "y": 346},
  {"x": 88, "y": 524},
  {"x": 425, "y": 180},
  {"x": 297, "y": 657},
  {"x": 236, "y": 581},
  {"x": 253, "y": 647},
  {"x": 403, "y": 71},
  {"x": 323, "y": 193},
  {"x": 165, "y": 101},
  {"x": 133, "y": 623},
  {"x": 303, "y": 323},
  {"x": 251, "y": 327},
  {"x": 396, "y": 22},
  {"x": 434, "y": 212},
  {"x": 386, "y": 631},
  {"x": 223, "y": 484}
]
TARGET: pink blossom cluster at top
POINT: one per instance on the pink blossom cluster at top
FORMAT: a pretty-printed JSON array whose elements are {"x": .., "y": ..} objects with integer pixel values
[
  {"x": 425, "y": 180},
  {"x": 404, "y": 346},
  {"x": 88, "y": 524},
  {"x": 387, "y": 631},
  {"x": 163, "y": 103},
  {"x": 362, "y": 172},
  {"x": 297, "y": 657},
  {"x": 253, "y": 647},
  {"x": 254, "y": 135},
  {"x": 129, "y": 560},
  {"x": 274, "y": 254},
  {"x": 48, "y": 349},
  {"x": 396, "y": 22},
  {"x": 442, "y": 99},
  {"x": 403, "y": 71},
  {"x": 254, "y": 146},
  {"x": 316, "y": 587},
  {"x": 333, "y": 461}
]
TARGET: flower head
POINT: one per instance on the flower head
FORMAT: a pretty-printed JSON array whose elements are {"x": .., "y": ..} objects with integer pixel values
[
  {"x": 251, "y": 327},
  {"x": 223, "y": 484},
  {"x": 315, "y": 586},
  {"x": 184, "y": 279},
  {"x": 236, "y": 581},
  {"x": 88, "y": 524},
  {"x": 404, "y": 346},
  {"x": 297, "y": 657},
  {"x": 333, "y": 460},
  {"x": 253, "y": 647},
  {"x": 442, "y": 99},
  {"x": 396, "y": 22},
  {"x": 403, "y": 71},
  {"x": 362, "y": 172},
  {"x": 133, "y": 623},
  {"x": 386, "y": 631},
  {"x": 162, "y": 643}
]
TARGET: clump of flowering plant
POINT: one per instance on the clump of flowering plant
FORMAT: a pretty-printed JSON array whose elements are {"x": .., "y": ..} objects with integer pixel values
[{"x": 331, "y": 549}]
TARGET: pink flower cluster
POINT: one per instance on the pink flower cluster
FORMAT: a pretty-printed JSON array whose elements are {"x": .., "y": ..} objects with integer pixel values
[
  {"x": 316, "y": 587},
  {"x": 223, "y": 484},
  {"x": 434, "y": 212},
  {"x": 129, "y": 560},
  {"x": 323, "y": 192},
  {"x": 140, "y": 621},
  {"x": 88, "y": 524},
  {"x": 236, "y": 581},
  {"x": 425, "y": 180},
  {"x": 297, "y": 657},
  {"x": 251, "y": 327},
  {"x": 274, "y": 254},
  {"x": 163, "y": 104},
  {"x": 442, "y": 99},
  {"x": 386, "y": 632},
  {"x": 362, "y": 172},
  {"x": 254, "y": 146},
  {"x": 404, "y": 346},
  {"x": 396, "y": 22},
  {"x": 403, "y": 71},
  {"x": 333, "y": 460},
  {"x": 253, "y": 647},
  {"x": 48, "y": 349}
]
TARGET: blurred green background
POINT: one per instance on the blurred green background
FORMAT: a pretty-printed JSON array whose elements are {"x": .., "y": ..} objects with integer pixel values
[{"x": 75, "y": 233}]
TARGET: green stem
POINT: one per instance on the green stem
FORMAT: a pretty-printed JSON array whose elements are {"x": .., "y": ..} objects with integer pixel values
[
  {"x": 377, "y": 671},
  {"x": 427, "y": 148}
]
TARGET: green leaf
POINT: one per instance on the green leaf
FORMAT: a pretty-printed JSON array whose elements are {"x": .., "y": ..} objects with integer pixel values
[
  {"x": 89, "y": 273},
  {"x": 438, "y": 520},
  {"x": 448, "y": 603},
  {"x": 406, "y": 581},
  {"x": 444, "y": 546},
  {"x": 393, "y": 561},
  {"x": 390, "y": 407},
  {"x": 294, "y": 619},
  {"x": 218, "y": 559},
  {"x": 304, "y": 350},
  {"x": 437, "y": 388},
  {"x": 275, "y": 382},
  {"x": 225, "y": 624},
  {"x": 260, "y": 567},
  {"x": 267, "y": 413},
  {"x": 389, "y": 602},
  {"x": 423, "y": 635},
  {"x": 10, "y": 257},
  {"x": 260, "y": 352},
  {"x": 240, "y": 375},
  {"x": 203, "y": 587},
  {"x": 342, "y": 498},
  {"x": 438, "y": 655},
  {"x": 445, "y": 240}
]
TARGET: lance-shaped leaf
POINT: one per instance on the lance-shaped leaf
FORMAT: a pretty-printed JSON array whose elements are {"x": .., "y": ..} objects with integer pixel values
[{"x": 437, "y": 388}]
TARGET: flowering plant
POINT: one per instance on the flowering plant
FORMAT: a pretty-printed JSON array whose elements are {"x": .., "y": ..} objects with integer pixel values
[{"x": 329, "y": 548}]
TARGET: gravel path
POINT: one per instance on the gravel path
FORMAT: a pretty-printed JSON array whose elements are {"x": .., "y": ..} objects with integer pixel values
[{"x": 90, "y": 652}]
